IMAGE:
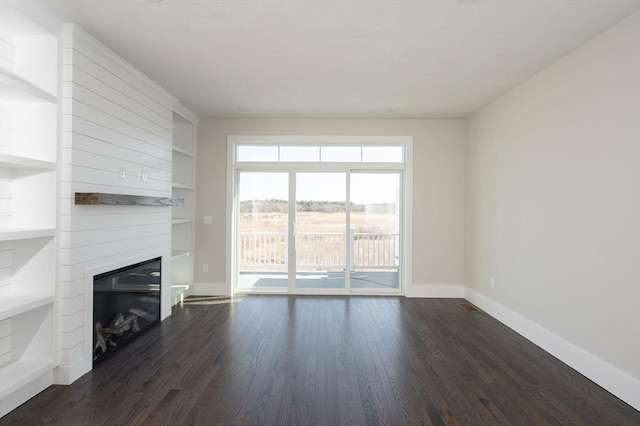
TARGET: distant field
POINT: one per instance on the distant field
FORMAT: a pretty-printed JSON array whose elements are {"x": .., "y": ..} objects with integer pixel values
[
  {"x": 319, "y": 222},
  {"x": 258, "y": 251}
]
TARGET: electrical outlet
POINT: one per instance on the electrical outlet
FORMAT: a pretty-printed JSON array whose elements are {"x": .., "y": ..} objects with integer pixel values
[
  {"x": 144, "y": 176},
  {"x": 122, "y": 173},
  {"x": 492, "y": 282},
  {"x": 207, "y": 220},
  {"x": 205, "y": 267}
]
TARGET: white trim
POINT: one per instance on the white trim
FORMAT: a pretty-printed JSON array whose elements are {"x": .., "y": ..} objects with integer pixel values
[
  {"x": 348, "y": 248},
  {"x": 619, "y": 383},
  {"x": 67, "y": 374},
  {"x": 319, "y": 140},
  {"x": 292, "y": 218},
  {"x": 406, "y": 271},
  {"x": 455, "y": 291},
  {"x": 230, "y": 256},
  {"x": 317, "y": 166},
  {"x": 405, "y": 168}
]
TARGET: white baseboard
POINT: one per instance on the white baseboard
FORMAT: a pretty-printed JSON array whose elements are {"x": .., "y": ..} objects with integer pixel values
[
  {"x": 622, "y": 385},
  {"x": 209, "y": 289},
  {"x": 435, "y": 290},
  {"x": 67, "y": 374},
  {"x": 24, "y": 393}
]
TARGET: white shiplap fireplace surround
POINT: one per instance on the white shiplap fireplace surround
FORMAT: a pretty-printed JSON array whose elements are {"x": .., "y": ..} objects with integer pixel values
[{"x": 116, "y": 126}]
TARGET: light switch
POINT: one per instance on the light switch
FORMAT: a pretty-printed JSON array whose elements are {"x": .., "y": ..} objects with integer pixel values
[{"x": 207, "y": 220}]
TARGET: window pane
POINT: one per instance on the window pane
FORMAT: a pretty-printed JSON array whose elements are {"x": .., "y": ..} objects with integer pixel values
[
  {"x": 320, "y": 238},
  {"x": 375, "y": 227},
  {"x": 263, "y": 223},
  {"x": 341, "y": 154},
  {"x": 257, "y": 153},
  {"x": 382, "y": 154},
  {"x": 299, "y": 153}
]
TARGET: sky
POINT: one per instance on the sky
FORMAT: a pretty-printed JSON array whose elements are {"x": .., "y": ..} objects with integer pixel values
[{"x": 366, "y": 188}]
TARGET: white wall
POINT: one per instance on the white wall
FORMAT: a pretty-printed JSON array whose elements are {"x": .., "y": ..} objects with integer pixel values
[
  {"x": 438, "y": 198},
  {"x": 113, "y": 117},
  {"x": 553, "y": 209}
]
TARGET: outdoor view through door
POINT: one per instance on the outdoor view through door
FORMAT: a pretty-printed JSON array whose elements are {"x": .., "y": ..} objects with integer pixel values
[{"x": 308, "y": 222}]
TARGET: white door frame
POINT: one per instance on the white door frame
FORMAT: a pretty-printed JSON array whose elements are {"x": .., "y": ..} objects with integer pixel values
[{"x": 406, "y": 173}]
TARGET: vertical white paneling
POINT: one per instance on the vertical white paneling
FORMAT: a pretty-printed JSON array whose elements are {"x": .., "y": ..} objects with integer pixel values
[
  {"x": 5, "y": 341},
  {"x": 6, "y": 50},
  {"x": 6, "y": 127},
  {"x": 6, "y": 189},
  {"x": 113, "y": 118},
  {"x": 6, "y": 264},
  {"x": 6, "y": 116}
]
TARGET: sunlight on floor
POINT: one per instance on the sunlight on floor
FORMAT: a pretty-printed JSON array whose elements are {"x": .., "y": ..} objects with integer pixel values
[{"x": 210, "y": 300}]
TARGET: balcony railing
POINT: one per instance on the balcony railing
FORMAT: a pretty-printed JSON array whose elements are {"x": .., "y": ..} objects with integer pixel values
[{"x": 267, "y": 251}]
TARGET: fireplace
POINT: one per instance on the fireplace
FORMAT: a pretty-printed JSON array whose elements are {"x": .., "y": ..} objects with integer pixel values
[{"x": 126, "y": 302}]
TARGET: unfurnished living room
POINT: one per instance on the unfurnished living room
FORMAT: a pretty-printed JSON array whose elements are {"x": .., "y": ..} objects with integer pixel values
[{"x": 279, "y": 212}]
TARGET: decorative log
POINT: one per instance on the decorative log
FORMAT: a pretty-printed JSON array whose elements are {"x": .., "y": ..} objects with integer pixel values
[
  {"x": 142, "y": 314},
  {"x": 101, "y": 343},
  {"x": 101, "y": 198},
  {"x": 119, "y": 324}
]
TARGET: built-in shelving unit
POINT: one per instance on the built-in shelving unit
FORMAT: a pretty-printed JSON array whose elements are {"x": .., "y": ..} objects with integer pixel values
[
  {"x": 182, "y": 225},
  {"x": 28, "y": 206}
]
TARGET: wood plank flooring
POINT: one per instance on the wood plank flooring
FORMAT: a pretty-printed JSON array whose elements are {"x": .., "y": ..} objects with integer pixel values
[{"x": 287, "y": 360}]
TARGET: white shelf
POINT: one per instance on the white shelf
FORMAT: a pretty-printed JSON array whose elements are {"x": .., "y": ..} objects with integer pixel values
[
  {"x": 22, "y": 372},
  {"x": 18, "y": 162},
  {"x": 16, "y": 304},
  {"x": 179, "y": 289},
  {"x": 181, "y": 186},
  {"x": 177, "y": 254},
  {"x": 16, "y": 89},
  {"x": 178, "y": 293},
  {"x": 25, "y": 234},
  {"x": 178, "y": 150},
  {"x": 30, "y": 121}
]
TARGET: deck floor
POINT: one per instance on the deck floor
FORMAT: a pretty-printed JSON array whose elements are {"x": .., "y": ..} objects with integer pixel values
[{"x": 373, "y": 280}]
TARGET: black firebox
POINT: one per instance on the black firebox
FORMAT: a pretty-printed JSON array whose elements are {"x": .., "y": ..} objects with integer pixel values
[{"x": 126, "y": 302}]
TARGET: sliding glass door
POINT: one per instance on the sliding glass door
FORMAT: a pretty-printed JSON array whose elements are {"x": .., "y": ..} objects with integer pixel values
[
  {"x": 320, "y": 231},
  {"x": 318, "y": 218},
  {"x": 375, "y": 231},
  {"x": 330, "y": 232},
  {"x": 263, "y": 225}
]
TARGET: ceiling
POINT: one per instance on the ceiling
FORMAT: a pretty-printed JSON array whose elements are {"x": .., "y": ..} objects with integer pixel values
[{"x": 341, "y": 58}]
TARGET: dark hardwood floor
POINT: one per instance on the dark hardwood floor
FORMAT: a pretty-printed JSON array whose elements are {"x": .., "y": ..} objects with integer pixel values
[{"x": 279, "y": 360}]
